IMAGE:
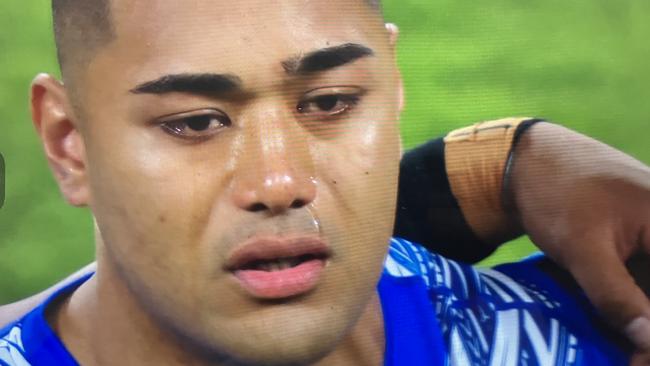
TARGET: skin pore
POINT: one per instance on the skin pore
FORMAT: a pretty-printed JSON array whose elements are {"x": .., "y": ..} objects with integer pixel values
[{"x": 199, "y": 127}]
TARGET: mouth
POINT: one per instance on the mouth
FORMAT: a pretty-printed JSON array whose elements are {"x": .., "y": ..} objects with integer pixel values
[{"x": 274, "y": 268}]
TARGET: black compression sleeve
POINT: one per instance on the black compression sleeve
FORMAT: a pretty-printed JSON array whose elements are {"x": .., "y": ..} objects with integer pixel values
[{"x": 427, "y": 211}]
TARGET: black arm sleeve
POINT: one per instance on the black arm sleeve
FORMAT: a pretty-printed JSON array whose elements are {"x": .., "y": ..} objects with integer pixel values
[{"x": 427, "y": 211}]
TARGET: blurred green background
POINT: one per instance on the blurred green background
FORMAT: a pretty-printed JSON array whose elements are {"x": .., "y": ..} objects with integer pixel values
[{"x": 583, "y": 63}]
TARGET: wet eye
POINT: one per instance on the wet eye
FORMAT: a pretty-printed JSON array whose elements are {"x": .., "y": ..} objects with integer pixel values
[
  {"x": 327, "y": 105},
  {"x": 195, "y": 126}
]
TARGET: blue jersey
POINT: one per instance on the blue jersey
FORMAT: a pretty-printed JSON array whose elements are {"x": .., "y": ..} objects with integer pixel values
[{"x": 436, "y": 312}]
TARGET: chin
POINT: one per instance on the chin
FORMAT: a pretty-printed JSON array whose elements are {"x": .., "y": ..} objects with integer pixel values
[
  {"x": 277, "y": 353},
  {"x": 271, "y": 340}
]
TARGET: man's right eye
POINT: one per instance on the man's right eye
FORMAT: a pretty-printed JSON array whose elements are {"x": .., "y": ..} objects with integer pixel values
[{"x": 195, "y": 125}]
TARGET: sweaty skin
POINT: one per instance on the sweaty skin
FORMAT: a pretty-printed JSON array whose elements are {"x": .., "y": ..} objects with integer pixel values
[
  {"x": 168, "y": 209},
  {"x": 171, "y": 202}
]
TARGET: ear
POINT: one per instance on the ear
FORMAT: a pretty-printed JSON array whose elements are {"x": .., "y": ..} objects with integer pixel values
[
  {"x": 393, "y": 35},
  {"x": 54, "y": 120}
]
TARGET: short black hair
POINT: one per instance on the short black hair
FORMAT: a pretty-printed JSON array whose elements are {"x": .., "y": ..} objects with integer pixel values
[{"x": 82, "y": 26}]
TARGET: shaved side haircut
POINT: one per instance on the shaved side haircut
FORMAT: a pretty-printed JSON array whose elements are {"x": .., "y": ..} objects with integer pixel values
[{"x": 80, "y": 28}]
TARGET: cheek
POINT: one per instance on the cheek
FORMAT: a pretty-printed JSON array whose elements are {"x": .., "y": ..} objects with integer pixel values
[
  {"x": 363, "y": 167},
  {"x": 359, "y": 189},
  {"x": 150, "y": 195}
]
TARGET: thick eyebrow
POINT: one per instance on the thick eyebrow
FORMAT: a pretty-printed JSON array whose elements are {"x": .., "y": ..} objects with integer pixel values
[
  {"x": 205, "y": 83},
  {"x": 326, "y": 58}
]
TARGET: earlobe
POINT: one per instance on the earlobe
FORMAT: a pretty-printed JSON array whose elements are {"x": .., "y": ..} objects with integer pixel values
[{"x": 54, "y": 121}]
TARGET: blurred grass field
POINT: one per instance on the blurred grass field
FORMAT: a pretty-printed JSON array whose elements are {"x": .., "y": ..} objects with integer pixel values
[{"x": 583, "y": 63}]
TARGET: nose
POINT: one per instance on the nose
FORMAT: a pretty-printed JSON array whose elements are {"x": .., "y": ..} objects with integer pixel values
[
  {"x": 280, "y": 192},
  {"x": 275, "y": 172}
]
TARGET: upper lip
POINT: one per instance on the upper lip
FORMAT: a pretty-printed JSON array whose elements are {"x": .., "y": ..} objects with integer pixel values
[{"x": 269, "y": 248}]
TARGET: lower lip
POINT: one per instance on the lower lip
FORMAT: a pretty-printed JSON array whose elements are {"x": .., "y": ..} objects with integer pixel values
[{"x": 284, "y": 283}]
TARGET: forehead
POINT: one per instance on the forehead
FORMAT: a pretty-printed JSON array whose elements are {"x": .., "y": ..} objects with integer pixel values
[
  {"x": 238, "y": 34},
  {"x": 169, "y": 17}
]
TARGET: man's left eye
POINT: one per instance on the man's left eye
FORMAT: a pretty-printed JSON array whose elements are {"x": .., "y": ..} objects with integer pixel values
[{"x": 328, "y": 105}]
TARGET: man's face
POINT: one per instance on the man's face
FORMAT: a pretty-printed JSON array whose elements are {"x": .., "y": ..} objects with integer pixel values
[{"x": 184, "y": 172}]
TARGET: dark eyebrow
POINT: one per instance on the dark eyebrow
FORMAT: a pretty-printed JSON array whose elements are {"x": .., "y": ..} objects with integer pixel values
[
  {"x": 205, "y": 83},
  {"x": 326, "y": 58}
]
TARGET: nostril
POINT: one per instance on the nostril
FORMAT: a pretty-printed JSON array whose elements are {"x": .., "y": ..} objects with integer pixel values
[
  {"x": 258, "y": 207},
  {"x": 298, "y": 203}
]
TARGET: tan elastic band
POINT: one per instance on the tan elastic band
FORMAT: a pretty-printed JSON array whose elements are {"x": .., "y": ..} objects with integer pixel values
[{"x": 475, "y": 159}]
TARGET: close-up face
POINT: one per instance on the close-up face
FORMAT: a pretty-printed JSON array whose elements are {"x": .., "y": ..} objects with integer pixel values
[{"x": 216, "y": 130}]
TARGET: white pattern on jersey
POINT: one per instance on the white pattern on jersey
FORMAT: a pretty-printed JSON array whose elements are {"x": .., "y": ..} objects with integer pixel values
[
  {"x": 11, "y": 348},
  {"x": 486, "y": 317}
]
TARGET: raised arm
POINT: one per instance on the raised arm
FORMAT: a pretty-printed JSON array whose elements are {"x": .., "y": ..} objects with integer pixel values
[
  {"x": 451, "y": 191},
  {"x": 585, "y": 204}
]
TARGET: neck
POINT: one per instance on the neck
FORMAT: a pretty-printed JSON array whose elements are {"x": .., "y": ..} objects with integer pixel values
[{"x": 102, "y": 320}]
